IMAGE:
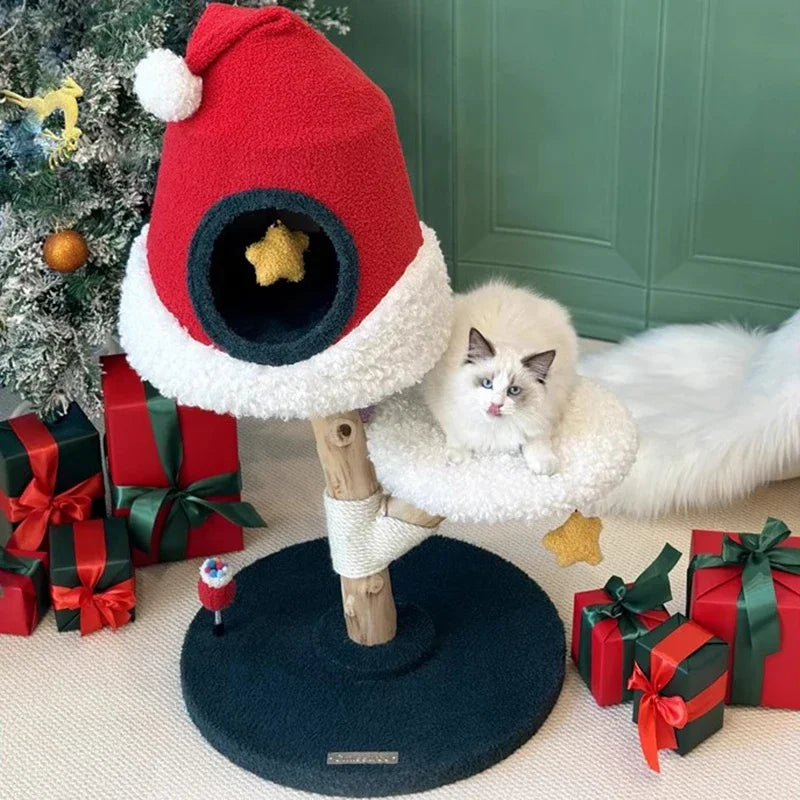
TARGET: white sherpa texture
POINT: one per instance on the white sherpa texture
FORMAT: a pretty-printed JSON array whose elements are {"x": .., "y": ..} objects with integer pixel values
[
  {"x": 392, "y": 349},
  {"x": 595, "y": 443},
  {"x": 718, "y": 411},
  {"x": 165, "y": 86}
]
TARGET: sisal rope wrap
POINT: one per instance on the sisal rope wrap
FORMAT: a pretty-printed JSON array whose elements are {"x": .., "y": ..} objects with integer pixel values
[{"x": 363, "y": 539}]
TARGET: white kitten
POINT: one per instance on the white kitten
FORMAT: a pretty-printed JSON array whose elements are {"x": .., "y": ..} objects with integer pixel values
[{"x": 506, "y": 375}]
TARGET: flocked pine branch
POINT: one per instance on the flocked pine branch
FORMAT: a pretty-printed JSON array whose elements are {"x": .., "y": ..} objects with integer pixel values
[{"x": 53, "y": 326}]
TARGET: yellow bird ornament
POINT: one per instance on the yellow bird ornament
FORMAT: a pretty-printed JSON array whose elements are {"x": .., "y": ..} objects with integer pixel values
[{"x": 64, "y": 99}]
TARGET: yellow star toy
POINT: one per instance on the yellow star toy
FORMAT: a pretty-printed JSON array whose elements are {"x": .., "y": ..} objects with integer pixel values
[
  {"x": 278, "y": 255},
  {"x": 578, "y": 539}
]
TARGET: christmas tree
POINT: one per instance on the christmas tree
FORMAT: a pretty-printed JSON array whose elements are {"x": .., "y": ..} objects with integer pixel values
[{"x": 78, "y": 159}]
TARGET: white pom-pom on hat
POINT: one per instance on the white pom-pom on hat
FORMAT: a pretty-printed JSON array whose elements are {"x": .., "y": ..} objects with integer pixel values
[{"x": 165, "y": 86}]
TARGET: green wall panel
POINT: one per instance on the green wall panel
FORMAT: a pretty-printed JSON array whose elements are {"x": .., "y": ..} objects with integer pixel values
[
  {"x": 669, "y": 306},
  {"x": 600, "y": 309},
  {"x": 405, "y": 46},
  {"x": 637, "y": 159},
  {"x": 728, "y": 166}
]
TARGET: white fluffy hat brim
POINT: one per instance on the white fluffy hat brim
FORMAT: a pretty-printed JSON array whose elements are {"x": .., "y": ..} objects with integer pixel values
[{"x": 395, "y": 345}]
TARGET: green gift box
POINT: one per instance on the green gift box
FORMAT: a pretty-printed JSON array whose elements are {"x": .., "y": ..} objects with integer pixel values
[
  {"x": 91, "y": 575},
  {"x": 50, "y": 472},
  {"x": 679, "y": 679}
]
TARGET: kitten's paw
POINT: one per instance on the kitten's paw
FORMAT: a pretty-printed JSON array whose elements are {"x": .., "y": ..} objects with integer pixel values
[
  {"x": 540, "y": 462},
  {"x": 456, "y": 455}
]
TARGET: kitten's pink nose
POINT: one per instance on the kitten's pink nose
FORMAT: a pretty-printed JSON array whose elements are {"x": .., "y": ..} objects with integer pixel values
[{"x": 494, "y": 409}]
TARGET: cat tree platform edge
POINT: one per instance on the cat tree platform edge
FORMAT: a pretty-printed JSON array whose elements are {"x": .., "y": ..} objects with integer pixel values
[{"x": 596, "y": 444}]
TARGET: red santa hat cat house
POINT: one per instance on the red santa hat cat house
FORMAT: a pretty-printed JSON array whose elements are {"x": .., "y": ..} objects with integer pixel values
[
  {"x": 273, "y": 131},
  {"x": 285, "y": 273}
]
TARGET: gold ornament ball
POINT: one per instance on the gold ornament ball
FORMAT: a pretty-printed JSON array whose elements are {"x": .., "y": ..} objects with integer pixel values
[{"x": 65, "y": 251}]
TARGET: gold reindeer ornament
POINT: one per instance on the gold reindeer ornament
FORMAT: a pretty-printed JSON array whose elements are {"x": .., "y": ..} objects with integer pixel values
[{"x": 64, "y": 99}]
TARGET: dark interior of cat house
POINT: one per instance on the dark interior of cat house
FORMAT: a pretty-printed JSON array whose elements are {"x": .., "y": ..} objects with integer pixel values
[{"x": 273, "y": 276}]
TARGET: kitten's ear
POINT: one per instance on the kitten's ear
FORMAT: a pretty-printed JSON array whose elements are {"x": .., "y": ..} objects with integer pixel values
[
  {"x": 539, "y": 364},
  {"x": 479, "y": 347}
]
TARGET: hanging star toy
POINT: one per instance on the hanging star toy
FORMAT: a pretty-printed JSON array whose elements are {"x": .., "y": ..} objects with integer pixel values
[
  {"x": 578, "y": 539},
  {"x": 278, "y": 255}
]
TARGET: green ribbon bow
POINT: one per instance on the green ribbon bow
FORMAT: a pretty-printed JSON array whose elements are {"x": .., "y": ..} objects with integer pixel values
[
  {"x": 758, "y": 630},
  {"x": 647, "y": 593},
  {"x": 189, "y": 504}
]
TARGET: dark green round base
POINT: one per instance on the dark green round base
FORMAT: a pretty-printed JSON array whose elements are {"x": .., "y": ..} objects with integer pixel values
[{"x": 476, "y": 668}]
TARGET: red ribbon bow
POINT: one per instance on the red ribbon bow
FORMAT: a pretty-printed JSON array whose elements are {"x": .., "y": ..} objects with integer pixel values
[
  {"x": 660, "y": 716},
  {"x": 111, "y": 607},
  {"x": 38, "y": 506}
]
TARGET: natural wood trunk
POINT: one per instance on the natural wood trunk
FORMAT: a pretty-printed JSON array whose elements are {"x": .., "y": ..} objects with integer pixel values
[
  {"x": 369, "y": 610},
  {"x": 399, "y": 509}
]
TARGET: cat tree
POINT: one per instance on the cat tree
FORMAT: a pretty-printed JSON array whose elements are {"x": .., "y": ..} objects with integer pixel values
[{"x": 269, "y": 124}]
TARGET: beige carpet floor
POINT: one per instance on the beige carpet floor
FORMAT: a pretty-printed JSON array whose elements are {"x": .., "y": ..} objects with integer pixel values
[{"x": 102, "y": 716}]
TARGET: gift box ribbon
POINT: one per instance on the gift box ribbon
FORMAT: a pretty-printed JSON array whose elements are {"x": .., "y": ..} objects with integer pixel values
[
  {"x": 758, "y": 629},
  {"x": 659, "y": 715},
  {"x": 628, "y": 604},
  {"x": 38, "y": 506},
  {"x": 111, "y": 607},
  {"x": 189, "y": 505}
]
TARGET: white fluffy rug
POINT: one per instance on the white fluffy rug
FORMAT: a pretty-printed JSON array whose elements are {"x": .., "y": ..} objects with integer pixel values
[
  {"x": 718, "y": 411},
  {"x": 595, "y": 444}
]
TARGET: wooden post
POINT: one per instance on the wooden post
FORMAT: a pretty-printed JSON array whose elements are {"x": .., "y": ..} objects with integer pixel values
[
  {"x": 369, "y": 610},
  {"x": 399, "y": 509}
]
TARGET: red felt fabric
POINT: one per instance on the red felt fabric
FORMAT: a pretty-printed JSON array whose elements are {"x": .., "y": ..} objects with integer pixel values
[
  {"x": 210, "y": 447},
  {"x": 216, "y": 598},
  {"x": 282, "y": 108},
  {"x": 712, "y": 604}
]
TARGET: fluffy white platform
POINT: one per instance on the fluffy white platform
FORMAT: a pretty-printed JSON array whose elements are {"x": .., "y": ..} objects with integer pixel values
[
  {"x": 392, "y": 348},
  {"x": 718, "y": 411},
  {"x": 595, "y": 444}
]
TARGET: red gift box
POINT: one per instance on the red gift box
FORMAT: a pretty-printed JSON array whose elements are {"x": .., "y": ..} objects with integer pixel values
[
  {"x": 713, "y": 598},
  {"x": 607, "y": 622},
  {"x": 24, "y": 591},
  {"x": 607, "y": 680},
  {"x": 210, "y": 448}
]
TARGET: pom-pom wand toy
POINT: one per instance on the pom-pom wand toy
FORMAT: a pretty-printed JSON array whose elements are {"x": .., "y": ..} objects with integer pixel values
[{"x": 216, "y": 589}]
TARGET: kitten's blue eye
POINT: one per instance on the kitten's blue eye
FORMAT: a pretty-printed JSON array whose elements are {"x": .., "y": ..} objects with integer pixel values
[
  {"x": 514, "y": 390},
  {"x": 486, "y": 383}
]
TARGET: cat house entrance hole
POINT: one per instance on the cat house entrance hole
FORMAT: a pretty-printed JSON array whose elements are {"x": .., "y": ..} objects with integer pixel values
[{"x": 285, "y": 321}]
